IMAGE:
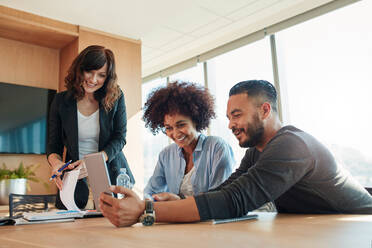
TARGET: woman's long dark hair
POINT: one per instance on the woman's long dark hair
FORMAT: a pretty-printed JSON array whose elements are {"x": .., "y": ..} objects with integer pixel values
[{"x": 93, "y": 58}]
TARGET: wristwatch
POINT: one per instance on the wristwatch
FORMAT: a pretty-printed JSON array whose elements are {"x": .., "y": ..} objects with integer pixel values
[{"x": 148, "y": 217}]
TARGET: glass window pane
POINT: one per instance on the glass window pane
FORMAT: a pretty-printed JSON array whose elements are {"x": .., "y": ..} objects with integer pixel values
[
  {"x": 152, "y": 144},
  {"x": 246, "y": 63},
  {"x": 325, "y": 67},
  {"x": 194, "y": 74}
]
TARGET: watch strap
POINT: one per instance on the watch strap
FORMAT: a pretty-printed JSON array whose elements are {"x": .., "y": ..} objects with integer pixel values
[
  {"x": 182, "y": 196},
  {"x": 149, "y": 207}
]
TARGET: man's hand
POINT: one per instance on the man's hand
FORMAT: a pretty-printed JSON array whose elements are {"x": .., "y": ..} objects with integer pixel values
[
  {"x": 123, "y": 212},
  {"x": 165, "y": 196}
]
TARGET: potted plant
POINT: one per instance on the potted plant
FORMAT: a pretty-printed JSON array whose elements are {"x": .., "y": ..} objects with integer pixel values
[{"x": 16, "y": 180}]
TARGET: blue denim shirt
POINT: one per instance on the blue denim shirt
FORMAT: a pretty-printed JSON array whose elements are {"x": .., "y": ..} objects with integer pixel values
[{"x": 213, "y": 162}]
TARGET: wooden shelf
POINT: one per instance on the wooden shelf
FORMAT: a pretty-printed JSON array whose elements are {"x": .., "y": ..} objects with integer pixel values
[{"x": 29, "y": 28}]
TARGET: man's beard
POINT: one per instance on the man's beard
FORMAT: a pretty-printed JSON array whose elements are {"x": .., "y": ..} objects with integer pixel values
[{"x": 254, "y": 133}]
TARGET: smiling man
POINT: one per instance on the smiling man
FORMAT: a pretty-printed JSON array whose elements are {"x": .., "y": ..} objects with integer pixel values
[{"x": 283, "y": 164}]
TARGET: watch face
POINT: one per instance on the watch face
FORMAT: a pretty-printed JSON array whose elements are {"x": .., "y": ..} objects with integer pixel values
[{"x": 148, "y": 220}]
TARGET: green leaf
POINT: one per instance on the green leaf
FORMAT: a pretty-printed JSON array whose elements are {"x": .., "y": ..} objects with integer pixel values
[
  {"x": 13, "y": 176},
  {"x": 21, "y": 171}
]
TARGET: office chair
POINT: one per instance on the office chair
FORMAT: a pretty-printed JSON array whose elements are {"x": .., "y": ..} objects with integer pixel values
[{"x": 19, "y": 204}]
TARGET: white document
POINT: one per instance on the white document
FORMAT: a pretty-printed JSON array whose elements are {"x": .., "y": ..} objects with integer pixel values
[{"x": 67, "y": 193}]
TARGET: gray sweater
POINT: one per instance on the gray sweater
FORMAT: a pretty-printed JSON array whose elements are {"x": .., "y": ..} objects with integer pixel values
[{"x": 296, "y": 172}]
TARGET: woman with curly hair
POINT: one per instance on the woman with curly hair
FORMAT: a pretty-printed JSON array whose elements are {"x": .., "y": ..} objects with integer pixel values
[
  {"x": 89, "y": 117},
  {"x": 194, "y": 163}
]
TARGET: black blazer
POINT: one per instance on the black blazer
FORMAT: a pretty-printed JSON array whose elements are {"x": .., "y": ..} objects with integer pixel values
[{"x": 63, "y": 131}]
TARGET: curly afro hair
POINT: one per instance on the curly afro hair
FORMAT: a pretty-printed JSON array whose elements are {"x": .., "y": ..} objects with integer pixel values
[{"x": 183, "y": 98}]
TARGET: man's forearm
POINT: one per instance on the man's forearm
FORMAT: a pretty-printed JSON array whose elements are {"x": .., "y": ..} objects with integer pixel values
[{"x": 177, "y": 211}]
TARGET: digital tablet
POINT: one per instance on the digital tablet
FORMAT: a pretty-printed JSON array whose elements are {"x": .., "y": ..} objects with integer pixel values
[{"x": 99, "y": 179}]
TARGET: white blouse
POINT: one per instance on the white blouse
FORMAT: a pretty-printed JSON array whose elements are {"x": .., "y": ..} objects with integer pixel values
[
  {"x": 88, "y": 127},
  {"x": 186, "y": 186}
]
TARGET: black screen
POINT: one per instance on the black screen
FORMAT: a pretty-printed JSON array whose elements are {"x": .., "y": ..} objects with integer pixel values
[{"x": 23, "y": 118}]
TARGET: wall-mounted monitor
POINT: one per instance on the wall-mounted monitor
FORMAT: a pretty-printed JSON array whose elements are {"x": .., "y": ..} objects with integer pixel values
[{"x": 23, "y": 118}]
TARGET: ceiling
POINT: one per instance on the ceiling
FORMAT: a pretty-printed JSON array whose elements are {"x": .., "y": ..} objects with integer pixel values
[{"x": 171, "y": 31}]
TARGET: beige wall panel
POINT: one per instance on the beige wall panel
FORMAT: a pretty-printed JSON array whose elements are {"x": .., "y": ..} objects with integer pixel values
[
  {"x": 128, "y": 64},
  {"x": 30, "y": 65},
  {"x": 43, "y": 173},
  {"x": 67, "y": 55}
]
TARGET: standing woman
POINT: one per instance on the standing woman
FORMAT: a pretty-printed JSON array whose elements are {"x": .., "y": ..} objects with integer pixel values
[{"x": 88, "y": 117}]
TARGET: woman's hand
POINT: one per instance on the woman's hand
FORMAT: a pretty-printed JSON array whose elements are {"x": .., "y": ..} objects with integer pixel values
[
  {"x": 57, "y": 164},
  {"x": 105, "y": 155},
  {"x": 57, "y": 180},
  {"x": 165, "y": 196},
  {"x": 80, "y": 164},
  {"x": 76, "y": 164}
]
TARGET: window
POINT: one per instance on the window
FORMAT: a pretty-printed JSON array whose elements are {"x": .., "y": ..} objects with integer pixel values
[
  {"x": 246, "y": 63},
  {"x": 152, "y": 144},
  {"x": 325, "y": 67},
  {"x": 194, "y": 74}
]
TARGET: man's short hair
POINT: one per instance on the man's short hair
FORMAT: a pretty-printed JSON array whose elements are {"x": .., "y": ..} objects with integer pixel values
[{"x": 257, "y": 89}]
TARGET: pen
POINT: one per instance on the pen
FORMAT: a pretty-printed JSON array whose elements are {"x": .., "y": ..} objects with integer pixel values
[{"x": 60, "y": 169}]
